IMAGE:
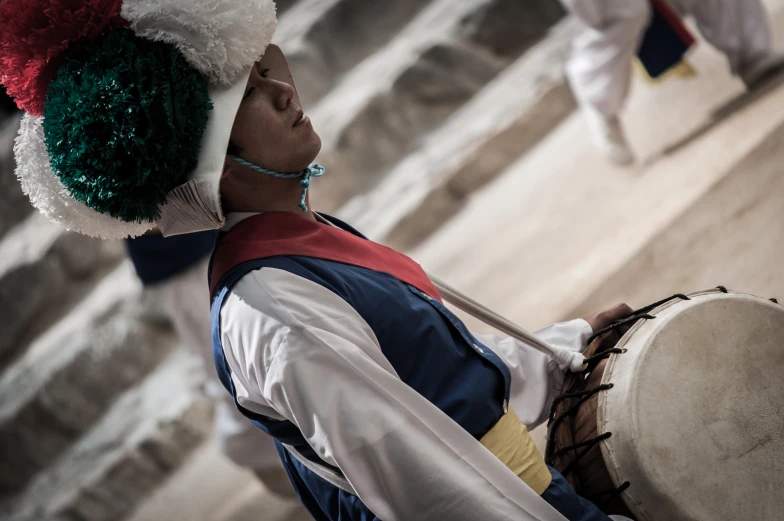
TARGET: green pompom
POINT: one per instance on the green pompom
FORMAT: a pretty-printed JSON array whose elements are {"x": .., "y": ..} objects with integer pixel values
[{"x": 123, "y": 122}]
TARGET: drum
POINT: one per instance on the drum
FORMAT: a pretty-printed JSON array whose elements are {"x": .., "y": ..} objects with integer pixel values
[{"x": 682, "y": 416}]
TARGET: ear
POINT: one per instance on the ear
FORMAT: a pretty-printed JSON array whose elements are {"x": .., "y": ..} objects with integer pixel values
[{"x": 230, "y": 170}]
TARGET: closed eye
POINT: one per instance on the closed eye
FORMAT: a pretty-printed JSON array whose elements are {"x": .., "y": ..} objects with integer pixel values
[{"x": 263, "y": 74}]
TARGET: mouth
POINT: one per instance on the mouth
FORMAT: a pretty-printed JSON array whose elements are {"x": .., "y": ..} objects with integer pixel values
[{"x": 300, "y": 118}]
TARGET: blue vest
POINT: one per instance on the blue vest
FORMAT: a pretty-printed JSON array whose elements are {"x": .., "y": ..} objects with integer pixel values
[{"x": 428, "y": 346}]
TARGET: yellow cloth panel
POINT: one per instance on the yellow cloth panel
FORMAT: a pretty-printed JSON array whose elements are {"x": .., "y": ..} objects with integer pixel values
[
  {"x": 511, "y": 443},
  {"x": 684, "y": 70}
]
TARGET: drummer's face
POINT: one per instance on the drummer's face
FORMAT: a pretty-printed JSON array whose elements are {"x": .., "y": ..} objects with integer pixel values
[{"x": 270, "y": 129}]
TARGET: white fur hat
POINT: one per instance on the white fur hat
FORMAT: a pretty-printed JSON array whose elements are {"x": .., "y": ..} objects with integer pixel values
[{"x": 108, "y": 177}]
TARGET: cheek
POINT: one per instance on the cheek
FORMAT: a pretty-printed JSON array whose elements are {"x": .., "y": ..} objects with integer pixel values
[
  {"x": 264, "y": 138},
  {"x": 253, "y": 127},
  {"x": 261, "y": 121},
  {"x": 269, "y": 139}
]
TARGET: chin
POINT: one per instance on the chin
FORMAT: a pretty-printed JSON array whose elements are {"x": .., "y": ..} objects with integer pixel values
[
  {"x": 312, "y": 148},
  {"x": 301, "y": 153}
]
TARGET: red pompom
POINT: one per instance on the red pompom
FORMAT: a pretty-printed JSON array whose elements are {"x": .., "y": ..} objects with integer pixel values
[{"x": 34, "y": 35}]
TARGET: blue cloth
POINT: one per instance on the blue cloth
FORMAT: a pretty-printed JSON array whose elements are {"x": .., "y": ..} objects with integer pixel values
[
  {"x": 662, "y": 48},
  {"x": 565, "y": 500},
  {"x": 157, "y": 259},
  {"x": 428, "y": 346}
]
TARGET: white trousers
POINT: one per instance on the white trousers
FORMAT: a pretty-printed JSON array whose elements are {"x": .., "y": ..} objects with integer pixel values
[
  {"x": 184, "y": 299},
  {"x": 600, "y": 68}
]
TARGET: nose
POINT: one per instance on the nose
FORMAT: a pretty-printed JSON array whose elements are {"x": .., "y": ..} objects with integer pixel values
[{"x": 284, "y": 95}]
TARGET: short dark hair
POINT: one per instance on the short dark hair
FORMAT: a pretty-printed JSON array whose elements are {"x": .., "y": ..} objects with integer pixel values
[{"x": 7, "y": 105}]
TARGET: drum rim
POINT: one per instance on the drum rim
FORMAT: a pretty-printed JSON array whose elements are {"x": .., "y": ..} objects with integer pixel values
[{"x": 607, "y": 449}]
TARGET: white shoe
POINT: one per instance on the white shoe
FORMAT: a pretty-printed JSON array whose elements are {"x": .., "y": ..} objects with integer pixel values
[
  {"x": 609, "y": 136},
  {"x": 762, "y": 69}
]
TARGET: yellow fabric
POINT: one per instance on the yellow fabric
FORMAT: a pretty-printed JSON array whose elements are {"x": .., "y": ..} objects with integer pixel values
[
  {"x": 684, "y": 70},
  {"x": 511, "y": 443}
]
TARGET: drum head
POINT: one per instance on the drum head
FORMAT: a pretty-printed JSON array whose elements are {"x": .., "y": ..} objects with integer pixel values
[{"x": 697, "y": 411}]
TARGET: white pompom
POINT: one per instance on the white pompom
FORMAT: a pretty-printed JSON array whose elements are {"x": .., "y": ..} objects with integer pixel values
[
  {"x": 220, "y": 38},
  {"x": 51, "y": 198}
]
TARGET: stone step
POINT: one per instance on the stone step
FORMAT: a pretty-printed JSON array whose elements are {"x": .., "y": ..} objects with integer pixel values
[
  {"x": 45, "y": 270},
  {"x": 71, "y": 375},
  {"x": 502, "y": 122},
  {"x": 549, "y": 232},
  {"x": 435, "y": 64},
  {"x": 149, "y": 433},
  {"x": 231, "y": 494},
  {"x": 284, "y": 5},
  {"x": 324, "y": 39},
  {"x": 14, "y": 205},
  {"x": 731, "y": 236}
]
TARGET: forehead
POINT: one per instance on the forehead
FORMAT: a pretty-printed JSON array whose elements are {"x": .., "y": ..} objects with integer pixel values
[{"x": 278, "y": 68}]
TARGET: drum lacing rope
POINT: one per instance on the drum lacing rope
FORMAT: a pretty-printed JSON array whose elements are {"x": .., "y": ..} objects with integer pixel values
[
  {"x": 584, "y": 397},
  {"x": 636, "y": 315},
  {"x": 586, "y": 445},
  {"x": 724, "y": 290},
  {"x": 604, "y": 354},
  {"x": 612, "y": 494}
]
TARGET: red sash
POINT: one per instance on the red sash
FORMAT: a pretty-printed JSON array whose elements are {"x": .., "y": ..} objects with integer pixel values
[{"x": 273, "y": 234}]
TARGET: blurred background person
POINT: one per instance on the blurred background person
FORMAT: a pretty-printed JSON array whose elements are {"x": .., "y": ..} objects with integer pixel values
[
  {"x": 173, "y": 272},
  {"x": 600, "y": 68}
]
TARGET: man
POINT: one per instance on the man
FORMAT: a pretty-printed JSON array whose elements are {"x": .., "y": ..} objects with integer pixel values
[
  {"x": 322, "y": 336},
  {"x": 383, "y": 405},
  {"x": 600, "y": 68},
  {"x": 173, "y": 271}
]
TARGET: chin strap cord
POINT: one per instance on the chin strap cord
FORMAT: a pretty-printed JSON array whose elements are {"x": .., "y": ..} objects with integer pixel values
[{"x": 314, "y": 170}]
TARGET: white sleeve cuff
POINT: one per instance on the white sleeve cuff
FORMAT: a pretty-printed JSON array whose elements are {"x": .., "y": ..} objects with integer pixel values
[{"x": 572, "y": 335}]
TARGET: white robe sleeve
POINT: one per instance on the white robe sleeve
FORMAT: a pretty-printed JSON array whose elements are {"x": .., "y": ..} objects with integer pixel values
[
  {"x": 300, "y": 352},
  {"x": 536, "y": 378}
]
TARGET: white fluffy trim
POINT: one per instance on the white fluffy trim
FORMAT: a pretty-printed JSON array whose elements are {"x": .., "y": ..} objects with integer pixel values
[
  {"x": 220, "y": 38},
  {"x": 51, "y": 198}
]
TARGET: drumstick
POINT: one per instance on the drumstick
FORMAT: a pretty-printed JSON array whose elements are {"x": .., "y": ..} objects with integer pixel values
[{"x": 564, "y": 357}]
